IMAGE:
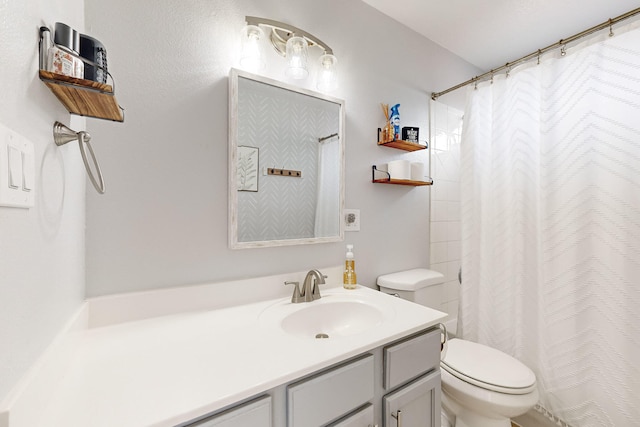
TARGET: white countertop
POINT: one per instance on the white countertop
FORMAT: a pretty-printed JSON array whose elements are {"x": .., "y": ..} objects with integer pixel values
[{"x": 165, "y": 370}]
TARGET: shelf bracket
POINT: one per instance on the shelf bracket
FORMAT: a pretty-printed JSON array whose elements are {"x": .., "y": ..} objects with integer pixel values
[{"x": 374, "y": 168}]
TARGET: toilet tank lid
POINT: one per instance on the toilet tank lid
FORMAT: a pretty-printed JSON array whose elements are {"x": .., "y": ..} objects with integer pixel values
[{"x": 410, "y": 280}]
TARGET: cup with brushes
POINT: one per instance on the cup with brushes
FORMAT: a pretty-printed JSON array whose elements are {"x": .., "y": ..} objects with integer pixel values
[{"x": 391, "y": 130}]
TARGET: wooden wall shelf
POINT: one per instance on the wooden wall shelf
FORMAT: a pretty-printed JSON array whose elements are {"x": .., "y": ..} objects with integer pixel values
[
  {"x": 401, "y": 182},
  {"x": 84, "y": 97},
  {"x": 403, "y": 145},
  {"x": 389, "y": 180}
]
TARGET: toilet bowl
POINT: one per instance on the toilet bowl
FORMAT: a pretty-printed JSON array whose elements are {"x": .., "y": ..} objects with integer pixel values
[
  {"x": 484, "y": 387},
  {"x": 481, "y": 386}
]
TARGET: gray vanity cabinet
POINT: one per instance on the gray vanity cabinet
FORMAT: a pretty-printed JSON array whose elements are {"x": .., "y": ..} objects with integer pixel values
[
  {"x": 256, "y": 413},
  {"x": 398, "y": 380}
]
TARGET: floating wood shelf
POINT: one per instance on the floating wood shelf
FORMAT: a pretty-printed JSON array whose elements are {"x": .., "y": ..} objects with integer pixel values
[
  {"x": 84, "y": 97},
  {"x": 403, "y": 145},
  {"x": 402, "y": 182},
  {"x": 389, "y": 180}
]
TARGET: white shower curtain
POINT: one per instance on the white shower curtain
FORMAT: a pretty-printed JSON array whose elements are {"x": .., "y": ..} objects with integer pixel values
[
  {"x": 327, "y": 223},
  {"x": 551, "y": 226}
]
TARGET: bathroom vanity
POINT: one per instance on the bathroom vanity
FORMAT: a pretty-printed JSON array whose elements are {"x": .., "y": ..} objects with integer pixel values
[
  {"x": 387, "y": 386},
  {"x": 239, "y": 354}
]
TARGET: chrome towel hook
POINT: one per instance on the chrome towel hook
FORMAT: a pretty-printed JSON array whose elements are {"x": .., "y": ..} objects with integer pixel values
[{"x": 63, "y": 134}]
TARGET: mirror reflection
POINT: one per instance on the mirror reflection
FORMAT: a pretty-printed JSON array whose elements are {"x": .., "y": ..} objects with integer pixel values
[{"x": 286, "y": 160}]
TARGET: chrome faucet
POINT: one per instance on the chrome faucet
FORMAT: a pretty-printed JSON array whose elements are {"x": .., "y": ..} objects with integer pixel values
[{"x": 310, "y": 289}]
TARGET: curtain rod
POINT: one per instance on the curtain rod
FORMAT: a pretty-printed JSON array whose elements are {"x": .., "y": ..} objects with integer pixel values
[{"x": 539, "y": 52}]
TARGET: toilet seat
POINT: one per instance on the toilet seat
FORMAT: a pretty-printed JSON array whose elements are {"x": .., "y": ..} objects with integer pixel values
[{"x": 487, "y": 368}]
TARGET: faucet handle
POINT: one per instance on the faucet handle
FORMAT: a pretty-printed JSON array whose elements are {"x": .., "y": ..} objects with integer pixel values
[{"x": 296, "y": 297}]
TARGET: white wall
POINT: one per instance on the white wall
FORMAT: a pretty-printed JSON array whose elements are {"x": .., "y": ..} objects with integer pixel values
[
  {"x": 42, "y": 248},
  {"x": 445, "y": 236},
  {"x": 163, "y": 220}
]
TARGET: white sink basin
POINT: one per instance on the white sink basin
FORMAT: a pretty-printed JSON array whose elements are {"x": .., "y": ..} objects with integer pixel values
[
  {"x": 336, "y": 314},
  {"x": 339, "y": 318}
]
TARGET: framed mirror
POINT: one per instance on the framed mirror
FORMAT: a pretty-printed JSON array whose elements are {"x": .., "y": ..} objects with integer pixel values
[{"x": 286, "y": 164}]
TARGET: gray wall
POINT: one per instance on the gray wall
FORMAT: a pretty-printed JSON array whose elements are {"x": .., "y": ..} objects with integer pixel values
[
  {"x": 163, "y": 220},
  {"x": 42, "y": 248}
]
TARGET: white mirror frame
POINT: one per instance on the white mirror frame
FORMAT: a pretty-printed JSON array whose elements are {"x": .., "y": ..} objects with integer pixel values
[{"x": 233, "y": 158}]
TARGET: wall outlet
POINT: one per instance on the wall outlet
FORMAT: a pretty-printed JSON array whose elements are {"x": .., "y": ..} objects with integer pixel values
[{"x": 352, "y": 220}]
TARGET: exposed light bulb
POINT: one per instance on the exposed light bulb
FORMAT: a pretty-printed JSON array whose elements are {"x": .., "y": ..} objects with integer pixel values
[
  {"x": 297, "y": 57},
  {"x": 251, "y": 57},
  {"x": 327, "y": 73}
]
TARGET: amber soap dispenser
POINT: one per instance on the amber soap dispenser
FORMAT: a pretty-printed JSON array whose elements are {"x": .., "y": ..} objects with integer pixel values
[{"x": 349, "y": 276}]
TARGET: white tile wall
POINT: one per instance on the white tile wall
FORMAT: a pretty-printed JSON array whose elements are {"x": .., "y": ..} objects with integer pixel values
[{"x": 446, "y": 131}]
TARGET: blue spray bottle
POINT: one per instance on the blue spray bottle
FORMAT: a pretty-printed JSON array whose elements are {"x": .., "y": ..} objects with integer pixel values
[{"x": 394, "y": 119}]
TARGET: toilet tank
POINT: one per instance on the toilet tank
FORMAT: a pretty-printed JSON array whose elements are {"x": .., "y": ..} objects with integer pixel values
[{"x": 420, "y": 285}]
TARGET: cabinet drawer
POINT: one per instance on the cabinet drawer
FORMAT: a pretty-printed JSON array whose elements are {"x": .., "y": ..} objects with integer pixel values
[
  {"x": 411, "y": 358},
  {"x": 330, "y": 395},
  {"x": 256, "y": 413}
]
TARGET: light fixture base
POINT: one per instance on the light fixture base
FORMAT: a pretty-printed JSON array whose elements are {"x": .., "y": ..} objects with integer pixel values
[
  {"x": 281, "y": 32},
  {"x": 278, "y": 39}
]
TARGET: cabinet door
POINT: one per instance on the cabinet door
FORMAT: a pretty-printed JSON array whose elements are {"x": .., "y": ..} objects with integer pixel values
[
  {"x": 361, "y": 418},
  {"x": 256, "y": 413},
  {"x": 415, "y": 405},
  {"x": 330, "y": 395}
]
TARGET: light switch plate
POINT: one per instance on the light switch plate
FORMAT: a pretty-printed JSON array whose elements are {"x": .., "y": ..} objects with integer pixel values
[
  {"x": 352, "y": 220},
  {"x": 17, "y": 170}
]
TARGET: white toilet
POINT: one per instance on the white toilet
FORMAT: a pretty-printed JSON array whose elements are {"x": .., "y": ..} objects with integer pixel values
[{"x": 481, "y": 386}]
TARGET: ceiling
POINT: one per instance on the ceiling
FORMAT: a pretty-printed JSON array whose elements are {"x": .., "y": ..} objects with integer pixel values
[{"x": 490, "y": 33}]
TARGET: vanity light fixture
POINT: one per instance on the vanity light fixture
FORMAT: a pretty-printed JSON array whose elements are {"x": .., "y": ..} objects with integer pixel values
[{"x": 292, "y": 43}]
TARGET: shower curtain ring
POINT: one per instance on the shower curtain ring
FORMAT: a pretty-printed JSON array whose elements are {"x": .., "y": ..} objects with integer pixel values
[
  {"x": 563, "y": 48},
  {"x": 611, "y": 27},
  {"x": 539, "y": 53}
]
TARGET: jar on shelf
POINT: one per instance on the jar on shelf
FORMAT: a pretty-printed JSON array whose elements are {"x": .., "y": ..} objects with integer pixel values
[{"x": 62, "y": 56}]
